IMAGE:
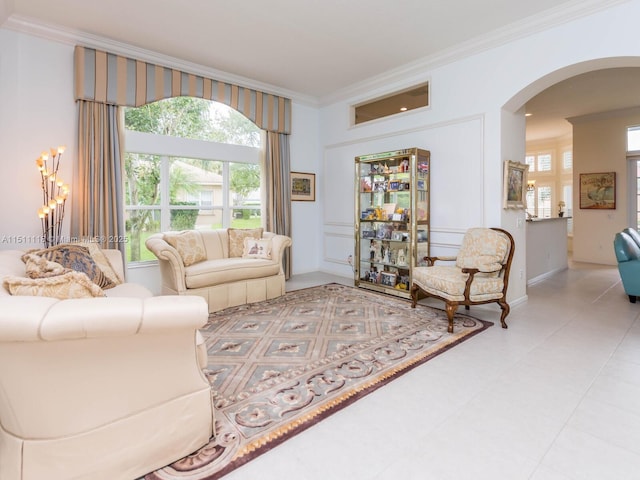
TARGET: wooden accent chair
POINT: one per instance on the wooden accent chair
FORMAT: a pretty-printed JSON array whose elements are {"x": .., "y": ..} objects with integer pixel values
[{"x": 480, "y": 273}]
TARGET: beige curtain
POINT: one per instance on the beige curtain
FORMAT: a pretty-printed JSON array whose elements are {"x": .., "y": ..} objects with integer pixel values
[
  {"x": 104, "y": 80},
  {"x": 97, "y": 197},
  {"x": 277, "y": 191}
]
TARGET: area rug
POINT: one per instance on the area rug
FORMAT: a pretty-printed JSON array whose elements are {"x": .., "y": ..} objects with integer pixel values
[{"x": 280, "y": 366}]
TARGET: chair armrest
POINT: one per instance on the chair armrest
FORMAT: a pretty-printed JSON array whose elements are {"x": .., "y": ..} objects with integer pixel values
[
  {"x": 171, "y": 264},
  {"x": 467, "y": 286},
  {"x": 443, "y": 258}
]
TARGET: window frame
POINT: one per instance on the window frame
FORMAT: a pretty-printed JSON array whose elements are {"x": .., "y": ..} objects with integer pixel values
[{"x": 167, "y": 147}]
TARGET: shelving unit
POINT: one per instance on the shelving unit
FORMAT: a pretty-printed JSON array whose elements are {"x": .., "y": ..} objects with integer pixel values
[{"x": 392, "y": 218}]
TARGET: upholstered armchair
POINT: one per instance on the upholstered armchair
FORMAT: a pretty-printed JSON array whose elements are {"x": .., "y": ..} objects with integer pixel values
[
  {"x": 100, "y": 388},
  {"x": 627, "y": 252},
  {"x": 479, "y": 275}
]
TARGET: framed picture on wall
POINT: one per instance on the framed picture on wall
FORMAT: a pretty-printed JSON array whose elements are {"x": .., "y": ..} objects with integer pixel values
[
  {"x": 515, "y": 184},
  {"x": 303, "y": 186},
  {"x": 598, "y": 190}
]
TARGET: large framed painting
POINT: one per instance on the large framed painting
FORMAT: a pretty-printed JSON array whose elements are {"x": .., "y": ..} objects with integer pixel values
[
  {"x": 515, "y": 184},
  {"x": 598, "y": 190}
]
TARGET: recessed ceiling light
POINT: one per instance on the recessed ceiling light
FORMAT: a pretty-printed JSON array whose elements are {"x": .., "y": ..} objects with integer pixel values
[
  {"x": 403, "y": 109},
  {"x": 528, "y": 114}
]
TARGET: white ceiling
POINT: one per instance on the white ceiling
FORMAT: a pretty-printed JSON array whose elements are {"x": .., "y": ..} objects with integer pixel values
[
  {"x": 592, "y": 92},
  {"x": 316, "y": 48}
]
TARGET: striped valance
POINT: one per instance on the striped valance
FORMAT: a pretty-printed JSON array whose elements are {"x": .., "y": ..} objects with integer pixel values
[{"x": 108, "y": 78}]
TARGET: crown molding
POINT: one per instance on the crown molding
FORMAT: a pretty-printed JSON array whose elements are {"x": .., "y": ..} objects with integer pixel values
[
  {"x": 561, "y": 14},
  {"x": 69, "y": 36}
]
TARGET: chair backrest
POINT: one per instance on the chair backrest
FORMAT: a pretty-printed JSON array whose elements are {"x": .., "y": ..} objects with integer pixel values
[
  {"x": 485, "y": 246},
  {"x": 625, "y": 247},
  {"x": 633, "y": 233}
]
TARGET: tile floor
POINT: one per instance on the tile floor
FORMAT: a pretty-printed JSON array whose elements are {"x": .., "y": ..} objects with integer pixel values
[{"x": 554, "y": 397}]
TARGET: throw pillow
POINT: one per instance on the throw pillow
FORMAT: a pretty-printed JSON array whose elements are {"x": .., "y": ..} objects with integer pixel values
[
  {"x": 237, "y": 236},
  {"x": 69, "y": 285},
  {"x": 257, "y": 248},
  {"x": 102, "y": 261},
  {"x": 76, "y": 257},
  {"x": 38, "y": 267},
  {"x": 189, "y": 245}
]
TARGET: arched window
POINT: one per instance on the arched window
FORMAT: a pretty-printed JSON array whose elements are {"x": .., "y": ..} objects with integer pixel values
[{"x": 189, "y": 163}]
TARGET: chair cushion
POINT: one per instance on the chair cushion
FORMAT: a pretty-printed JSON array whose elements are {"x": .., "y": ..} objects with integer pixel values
[
  {"x": 217, "y": 272},
  {"x": 448, "y": 282},
  {"x": 484, "y": 249}
]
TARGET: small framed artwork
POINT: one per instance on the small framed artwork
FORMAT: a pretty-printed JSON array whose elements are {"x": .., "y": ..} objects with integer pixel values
[
  {"x": 303, "y": 186},
  {"x": 389, "y": 279},
  {"x": 515, "y": 184},
  {"x": 598, "y": 190}
]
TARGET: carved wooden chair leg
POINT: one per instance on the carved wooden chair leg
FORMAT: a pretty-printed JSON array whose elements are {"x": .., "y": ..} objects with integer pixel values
[
  {"x": 505, "y": 311},
  {"x": 451, "y": 310},
  {"x": 414, "y": 295}
]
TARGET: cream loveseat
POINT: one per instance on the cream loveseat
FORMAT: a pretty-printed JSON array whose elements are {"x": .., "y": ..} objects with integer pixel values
[
  {"x": 219, "y": 265},
  {"x": 99, "y": 388}
]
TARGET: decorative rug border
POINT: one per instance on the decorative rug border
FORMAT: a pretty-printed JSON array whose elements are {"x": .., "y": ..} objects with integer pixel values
[{"x": 329, "y": 407}]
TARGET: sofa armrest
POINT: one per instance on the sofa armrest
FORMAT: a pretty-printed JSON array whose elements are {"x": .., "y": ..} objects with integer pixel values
[
  {"x": 278, "y": 245},
  {"x": 95, "y": 361},
  {"x": 33, "y": 319},
  {"x": 115, "y": 260},
  {"x": 171, "y": 264}
]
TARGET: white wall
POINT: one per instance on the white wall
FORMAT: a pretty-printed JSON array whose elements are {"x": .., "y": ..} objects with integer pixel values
[
  {"x": 474, "y": 123},
  {"x": 5, "y": 9},
  {"x": 305, "y": 157},
  {"x": 37, "y": 111},
  {"x": 600, "y": 146}
]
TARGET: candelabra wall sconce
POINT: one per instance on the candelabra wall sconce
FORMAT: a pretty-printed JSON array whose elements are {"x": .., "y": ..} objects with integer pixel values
[{"x": 54, "y": 196}]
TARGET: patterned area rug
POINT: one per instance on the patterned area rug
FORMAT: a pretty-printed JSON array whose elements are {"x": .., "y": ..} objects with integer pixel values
[{"x": 277, "y": 367}]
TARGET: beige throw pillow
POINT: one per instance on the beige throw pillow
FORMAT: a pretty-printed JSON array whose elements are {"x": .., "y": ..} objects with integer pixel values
[
  {"x": 237, "y": 236},
  {"x": 69, "y": 285},
  {"x": 38, "y": 267},
  {"x": 189, "y": 245},
  {"x": 76, "y": 257},
  {"x": 257, "y": 248}
]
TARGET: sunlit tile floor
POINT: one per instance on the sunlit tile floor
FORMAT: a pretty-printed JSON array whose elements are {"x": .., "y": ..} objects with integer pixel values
[{"x": 554, "y": 397}]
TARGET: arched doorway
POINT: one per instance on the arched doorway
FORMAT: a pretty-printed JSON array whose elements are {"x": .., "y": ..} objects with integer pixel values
[{"x": 598, "y": 97}]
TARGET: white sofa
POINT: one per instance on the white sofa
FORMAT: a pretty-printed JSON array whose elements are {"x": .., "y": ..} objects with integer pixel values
[
  {"x": 99, "y": 388},
  {"x": 221, "y": 277}
]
